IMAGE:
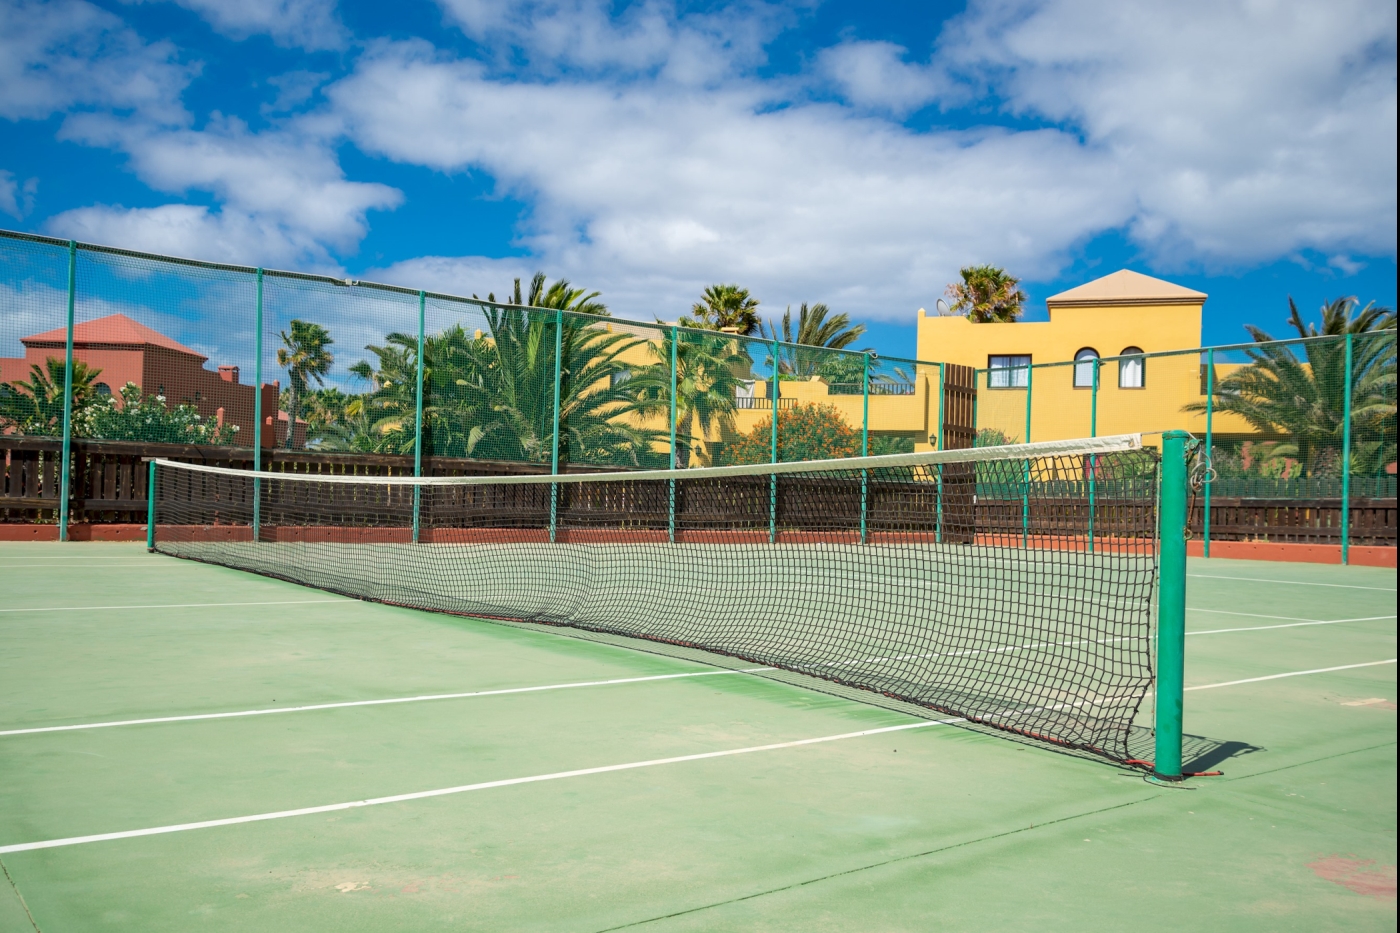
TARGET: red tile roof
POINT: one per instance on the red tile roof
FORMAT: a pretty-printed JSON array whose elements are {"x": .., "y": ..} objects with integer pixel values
[{"x": 115, "y": 329}]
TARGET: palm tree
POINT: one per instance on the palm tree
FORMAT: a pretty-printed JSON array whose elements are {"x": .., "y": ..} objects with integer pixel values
[
  {"x": 1278, "y": 393},
  {"x": 813, "y": 330},
  {"x": 304, "y": 354},
  {"x": 725, "y": 307},
  {"x": 709, "y": 372},
  {"x": 560, "y": 297},
  {"x": 987, "y": 295},
  {"x": 36, "y": 406}
]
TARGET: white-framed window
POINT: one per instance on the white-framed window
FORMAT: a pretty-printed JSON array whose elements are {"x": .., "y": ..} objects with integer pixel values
[
  {"x": 1084, "y": 368},
  {"x": 1132, "y": 370},
  {"x": 1008, "y": 372}
]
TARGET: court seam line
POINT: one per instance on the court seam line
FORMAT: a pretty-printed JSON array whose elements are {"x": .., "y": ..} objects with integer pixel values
[
  {"x": 553, "y": 776},
  {"x": 235, "y": 714},
  {"x": 271, "y": 602},
  {"x": 380, "y": 702},
  {"x": 1345, "y": 586}
]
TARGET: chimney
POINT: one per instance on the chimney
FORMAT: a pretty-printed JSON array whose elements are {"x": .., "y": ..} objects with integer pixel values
[
  {"x": 229, "y": 374},
  {"x": 219, "y": 412}
]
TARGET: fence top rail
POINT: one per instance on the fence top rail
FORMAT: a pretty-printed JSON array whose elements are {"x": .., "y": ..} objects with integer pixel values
[{"x": 1094, "y": 445}]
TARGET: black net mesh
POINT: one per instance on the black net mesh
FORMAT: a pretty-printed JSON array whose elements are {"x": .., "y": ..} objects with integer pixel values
[{"x": 990, "y": 589}]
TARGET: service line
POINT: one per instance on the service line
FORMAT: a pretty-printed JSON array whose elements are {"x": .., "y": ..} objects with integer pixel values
[
  {"x": 270, "y": 602},
  {"x": 1345, "y": 586}
]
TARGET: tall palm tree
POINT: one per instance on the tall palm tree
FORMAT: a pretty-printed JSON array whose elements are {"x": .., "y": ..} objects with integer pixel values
[
  {"x": 305, "y": 356},
  {"x": 1304, "y": 399},
  {"x": 709, "y": 372},
  {"x": 35, "y": 406},
  {"x": 986, "y": 295},
  {"x": 560, "y": 296},
  {"x": 813, "y": 330},
  {"x": 725, "y": 307}
]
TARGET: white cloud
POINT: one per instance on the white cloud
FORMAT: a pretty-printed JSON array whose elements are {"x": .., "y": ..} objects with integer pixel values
[
  {"x": 308, "y": 24},
  {"x": 1249, "y": 130},
  {"x": 875, "y": 75},
  {"x": 63, "y": 54},
  {"x": 293, "y": 89},
  {"x": 650, "y": 190},
  {"x": 457, "y": 275},
  {"x": 16, "y": 198},
  {"x": 283, "y": 195}
]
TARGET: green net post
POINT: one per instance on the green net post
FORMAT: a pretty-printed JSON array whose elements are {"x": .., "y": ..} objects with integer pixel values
[
  {"x": 1171, "y": 606},
  {"x": 65, "y": 478},
  {"x": 151, "y": 506},
  {"x": 773, "y": 477},
  {"x": 418, "y": 418},
  {"x": 1346, "y": 452},
  {"x": 1026, "y": 472},
  {"x": 939, "y": 445},
  {"x": 257, "y": 408},
  {"x": 1093, "y": 461},
  {"x": 554, "y": 443},
  {"x": 1210, "y": 443},
  {"x": 864, "y": 440},
  {"x": 671, "y": 486}
]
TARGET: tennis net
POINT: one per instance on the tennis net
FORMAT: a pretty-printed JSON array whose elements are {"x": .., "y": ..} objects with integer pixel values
[{"x": 1012, "y": 586}]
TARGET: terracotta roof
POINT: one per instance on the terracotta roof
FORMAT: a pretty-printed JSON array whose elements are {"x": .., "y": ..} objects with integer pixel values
[
  {"x": 115, "y": 329},
  {"x": 1126, "y": 287}
]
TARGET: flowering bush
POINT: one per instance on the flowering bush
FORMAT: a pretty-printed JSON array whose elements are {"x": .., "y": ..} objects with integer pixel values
[
  {"x": 806, "y": 432},
  {"x": 140, "y": 417}
]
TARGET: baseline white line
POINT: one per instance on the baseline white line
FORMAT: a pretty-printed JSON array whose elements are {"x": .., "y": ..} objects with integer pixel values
[
  {"x": 1298, "y": 624},
  {"x": 271, "y": 602},
  {"x": 461, "y": 789},
  {"x": 1345, "y": 586},
  {"x": 1319, "y": 670},
  {"x": 382, "y": 702}
]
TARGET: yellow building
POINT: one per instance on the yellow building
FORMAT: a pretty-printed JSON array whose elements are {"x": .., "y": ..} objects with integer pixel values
[{"x": 1100, "y": 331}]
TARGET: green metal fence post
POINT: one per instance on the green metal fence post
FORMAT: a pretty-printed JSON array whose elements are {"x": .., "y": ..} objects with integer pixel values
[
  {"x": 554, "y": 446},
  {"x": 65, "y": 469},
  {"x": 1346, "y": 455},
  {"x": 151, "y": 506},
  {"x": 864, "y": 439},
  {"x": 257, "y": 409},
  {"x": 1171, "y": 606},
  {"x": 773, "y": 477},
  {"x": 1210, "y": 442},
  {"x": 418, "y": 419},
  {"x": 671, "y": 493},
  {"x": 1026, "y": 470},
  {"x": 938, "y": 518},
  {"x": 1093, "y": 461}
]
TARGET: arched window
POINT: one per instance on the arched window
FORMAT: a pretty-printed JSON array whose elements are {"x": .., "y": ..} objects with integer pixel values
[
  {"x": 1132, "y": 369},
  {"x": 1084, "y": 368},
  {"x": 102, "y": 389}
]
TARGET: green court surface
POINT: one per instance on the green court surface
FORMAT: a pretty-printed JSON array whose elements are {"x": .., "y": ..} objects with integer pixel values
[{"x": 724, "y": 818}]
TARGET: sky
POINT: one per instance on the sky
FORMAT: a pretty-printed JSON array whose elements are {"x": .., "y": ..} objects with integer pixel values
[{"x": 845, "y": 152}]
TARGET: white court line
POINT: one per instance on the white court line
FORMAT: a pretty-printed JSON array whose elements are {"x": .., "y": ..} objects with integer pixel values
[
  {"x": 557, "y": 775},
  {"x": 383, "y": 702},
  {"x": 271, "y": 602},
  {"x": 1345, "y": 586},
  {"x": 1319, "y": 670},
  {"x": 461, "y": 789},
  {"x": 1297, "y": 624}
]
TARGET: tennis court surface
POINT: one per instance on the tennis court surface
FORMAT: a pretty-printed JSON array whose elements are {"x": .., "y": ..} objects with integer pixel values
[{"x": 590, "y": 787}]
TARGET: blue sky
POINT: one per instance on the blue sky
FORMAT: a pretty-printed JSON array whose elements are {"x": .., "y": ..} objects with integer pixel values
[{"x": 846, "y": 152}]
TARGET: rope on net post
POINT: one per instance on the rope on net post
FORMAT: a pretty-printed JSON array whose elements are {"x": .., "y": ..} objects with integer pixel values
[
  {"x": 418, "y": 418},
  {"x": 1210, "y": 419},
  {"x": 257, "y": 409},
  {"x": 671, "y": 490},
  {"x": 1093, "y": 461},
  {"x": 864, "y": 439},
  {"x": 65, "y": 470},
  {"x": 773, "y": 477},
  {"x": 554, "y": 444},
  {"x": 1346, "y": 452}
]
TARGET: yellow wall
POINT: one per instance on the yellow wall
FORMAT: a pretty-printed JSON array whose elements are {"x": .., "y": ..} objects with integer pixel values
[{"x": 1059, "y": 409}]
